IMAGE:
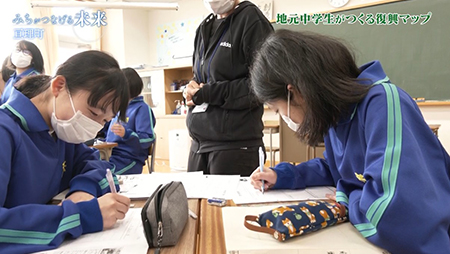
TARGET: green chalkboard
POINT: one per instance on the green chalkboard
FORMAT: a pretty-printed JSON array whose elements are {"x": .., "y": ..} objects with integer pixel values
[{"x": 415, "y": 57}]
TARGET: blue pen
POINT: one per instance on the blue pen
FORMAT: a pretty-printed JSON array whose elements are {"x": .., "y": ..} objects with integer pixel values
[{"x": 261, "y": 166}]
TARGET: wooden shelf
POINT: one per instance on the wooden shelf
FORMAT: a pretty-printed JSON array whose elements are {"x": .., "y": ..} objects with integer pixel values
[
  {"x": 434, "y": 103},
  {"x": 170, "y": 75}
]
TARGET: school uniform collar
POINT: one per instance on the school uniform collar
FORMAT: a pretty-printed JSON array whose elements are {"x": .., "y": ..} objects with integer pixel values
[
  {"x": 137, "y": 99},
  {"x": 27, "y": 72},
  {"x": 30, "y": 117},
  {"x": 371, "y": 73}
]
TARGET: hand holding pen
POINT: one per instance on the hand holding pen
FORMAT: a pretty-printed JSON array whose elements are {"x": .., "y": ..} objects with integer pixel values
[
  {"x": 261, "y": 166},
  {"x": 113, "y": 206},
  {"x": 266, "y": 178},
  {"x": 118, "y": 129}
]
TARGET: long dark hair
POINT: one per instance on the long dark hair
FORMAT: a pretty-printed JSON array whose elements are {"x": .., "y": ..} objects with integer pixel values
[
  {"x": 6, "y": 71},
  {"x": 37, "y": 62},
  {"x": 322, "y": 69},
  {"x": 135, "y": 83},
  {"x": 92, "y": 71}
]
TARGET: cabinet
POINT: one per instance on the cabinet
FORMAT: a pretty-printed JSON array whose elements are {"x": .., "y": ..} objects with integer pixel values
[
  {"x": 159, "y": 94},
  {"x": 147, "y": 90},
  {"x": 153, "y": 91},
  {"x": 173, "y": 94},
  {"x": 292, "y": 150},
  {"x": 164, "y": 124}
]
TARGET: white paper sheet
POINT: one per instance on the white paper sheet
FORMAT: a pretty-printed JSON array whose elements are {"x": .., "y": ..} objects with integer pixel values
[
  {"x": 338, "y": 239},
  {"x": 247, "y": 194},
  {"x": 126, "y": 237},
  {"x": 196, "y": 184}
]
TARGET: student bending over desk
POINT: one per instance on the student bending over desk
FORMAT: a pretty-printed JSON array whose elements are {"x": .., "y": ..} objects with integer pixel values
[
  {"x": 390, "y": 171},
  {"x": 41, "y": 128}
]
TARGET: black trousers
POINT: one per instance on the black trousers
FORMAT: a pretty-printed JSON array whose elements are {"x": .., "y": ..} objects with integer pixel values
[{"x": 226, "y": 162}]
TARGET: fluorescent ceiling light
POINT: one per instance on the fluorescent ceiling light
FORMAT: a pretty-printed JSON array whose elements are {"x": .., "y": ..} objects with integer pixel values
[{"x": 107, "y": 5}]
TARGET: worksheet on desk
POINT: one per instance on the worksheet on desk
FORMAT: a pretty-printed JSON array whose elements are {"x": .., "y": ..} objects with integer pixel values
[
  {"x": 143, "y": 185},
  {"x": 196, "y": 184},
  {"x": 126, "y": 237},
  {"x": 247, "y": 194}
]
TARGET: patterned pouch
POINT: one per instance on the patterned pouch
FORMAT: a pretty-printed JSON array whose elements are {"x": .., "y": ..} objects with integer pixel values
[{"x": 285, "y": 222}]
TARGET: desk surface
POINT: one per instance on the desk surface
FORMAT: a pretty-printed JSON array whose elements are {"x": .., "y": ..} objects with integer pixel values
[
  {"x": 105, "y": 145},
  {"x": 211, "y": 232},
  {"x": 187, "y": 243},
  {"x": 271, "y": 124}
]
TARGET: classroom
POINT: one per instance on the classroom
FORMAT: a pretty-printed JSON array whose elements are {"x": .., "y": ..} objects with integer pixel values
[{"x": 116, "y": 101}]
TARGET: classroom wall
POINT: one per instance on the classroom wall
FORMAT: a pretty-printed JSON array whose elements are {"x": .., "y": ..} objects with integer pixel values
[
  {"x": 188, "y": 9},
  {"x": 195, "y": 8},
  {"x": 113, "y": 35},
  {"x": 126, "y": 36},
  {"x": 137, "y": 43}
]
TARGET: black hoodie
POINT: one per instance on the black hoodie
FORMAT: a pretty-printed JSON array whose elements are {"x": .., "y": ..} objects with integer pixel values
[{"x": 233, "y": 118}]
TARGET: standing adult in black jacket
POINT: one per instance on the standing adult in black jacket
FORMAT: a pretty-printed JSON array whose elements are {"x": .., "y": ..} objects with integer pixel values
[{"x": 225, "y": 119}]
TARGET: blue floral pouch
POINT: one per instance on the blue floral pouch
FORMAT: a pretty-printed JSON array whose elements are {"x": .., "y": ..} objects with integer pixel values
[{"x": 285, "y": 222}]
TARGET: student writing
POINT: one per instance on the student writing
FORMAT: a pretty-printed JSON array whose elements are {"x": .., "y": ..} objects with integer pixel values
[
  {"x": 390, "y": 171},
  {"x": 42, "y": 127}
]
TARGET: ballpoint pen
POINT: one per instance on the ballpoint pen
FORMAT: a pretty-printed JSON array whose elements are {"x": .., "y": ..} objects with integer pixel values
[
  {"x": 110, "y": 179},
  {"x": 261, "y": 166}
]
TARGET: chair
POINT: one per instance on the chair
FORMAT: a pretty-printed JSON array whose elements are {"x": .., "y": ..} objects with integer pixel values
[
  {"x": 271, "y": 127},
  {"x": 151, "y": 152}
]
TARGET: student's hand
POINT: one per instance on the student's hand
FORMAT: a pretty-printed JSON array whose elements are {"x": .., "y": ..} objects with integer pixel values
[
  {"x": 268, "y": 175},
  {"x": 79, "y": 196},
  {"x": 118, "y": 129},
  {"x": 342, "y": 209},
  {"x": 331, "y": 197},
  {"x": 113, "y": 207}
]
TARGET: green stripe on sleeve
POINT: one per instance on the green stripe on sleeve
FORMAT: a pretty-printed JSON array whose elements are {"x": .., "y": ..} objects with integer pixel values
[
  {"x": 36, "y": 237},
  {"x": 366, "y": 229},
  {"x": 341, "y": 197},
  {"x": 391, "y": 162},
  {"x": 126, "y": 168},
  {"x": 103, "y": 183}
]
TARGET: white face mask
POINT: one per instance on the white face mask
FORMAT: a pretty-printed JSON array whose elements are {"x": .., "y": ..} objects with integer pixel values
[
  {"x": 20, "y": 60},
  {"x": 219, "y": 6},
  {"x": 77, "y": 129},
  {"x": 287, "y": 119}
]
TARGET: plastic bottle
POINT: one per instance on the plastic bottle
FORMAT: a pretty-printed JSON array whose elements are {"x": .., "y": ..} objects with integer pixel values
[
  {"x": 183, "y": 108},
  {"x": 177, "y": 110}
]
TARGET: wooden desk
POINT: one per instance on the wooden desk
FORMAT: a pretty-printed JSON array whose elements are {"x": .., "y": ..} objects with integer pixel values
[
  {"x": 105, "y": 149},
  {"x": 188, "y": 240},
  {"x": 211, "y": 236},
  {"x": 434, "y": 128}
]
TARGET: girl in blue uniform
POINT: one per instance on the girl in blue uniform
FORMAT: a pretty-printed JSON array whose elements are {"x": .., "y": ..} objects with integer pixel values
[
  {"x": 42, "y": 127},
  {"x": 136, "y": 134},
  {"x": 391, "y": 173},
  {"x": 27, "y": 60}
]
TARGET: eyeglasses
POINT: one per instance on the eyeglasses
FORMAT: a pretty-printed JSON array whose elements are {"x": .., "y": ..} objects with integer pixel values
[{"x": 25, "y": 51}]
